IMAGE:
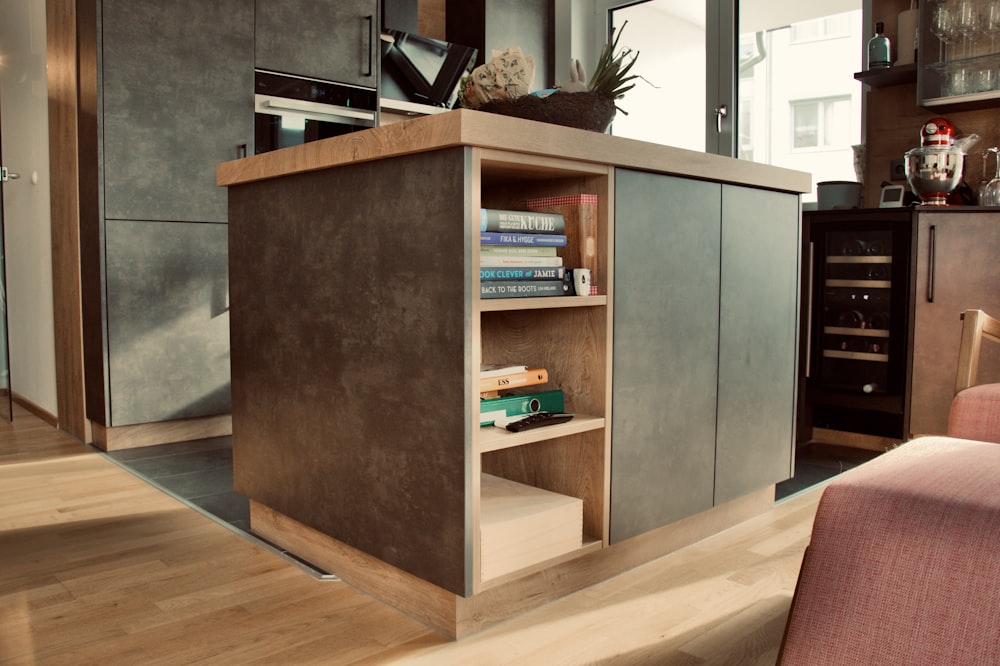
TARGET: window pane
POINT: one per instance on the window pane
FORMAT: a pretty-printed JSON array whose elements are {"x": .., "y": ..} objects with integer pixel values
[
  {"x": 806, "y": 125},
  {"x": 800, "y": 106},
  {"x": 837, "y": 123},
  {"x": 669, "y": 106}
]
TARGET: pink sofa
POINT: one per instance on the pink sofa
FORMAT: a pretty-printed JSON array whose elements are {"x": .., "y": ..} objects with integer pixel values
[
  {"x": 975, "y": 413},
  {"x": 903, "y": 566}
]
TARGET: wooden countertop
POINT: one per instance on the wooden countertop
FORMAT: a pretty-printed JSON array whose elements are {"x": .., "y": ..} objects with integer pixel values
[{"x": 487, "y": 130}]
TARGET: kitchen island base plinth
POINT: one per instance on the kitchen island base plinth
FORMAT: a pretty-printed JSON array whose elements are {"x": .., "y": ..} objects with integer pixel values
[{"x": 455, "y": 616}]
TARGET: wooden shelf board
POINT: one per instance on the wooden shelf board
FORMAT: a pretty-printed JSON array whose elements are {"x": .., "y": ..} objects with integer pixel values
[
  {"x": 589, "y": 545},
  {"x": 545, "y": 302},
  {"x": 494, "y": 439},
  {"x": 893, "y": 76}
]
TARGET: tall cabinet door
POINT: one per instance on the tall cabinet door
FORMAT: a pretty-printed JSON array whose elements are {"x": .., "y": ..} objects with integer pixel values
[
  {"x": 333, "y": 40},
  {"x": 956, "y": 269},
  {"x": 666, "y": 334},
  {"x": 177, "y": 99},
  {"x": 758, "y": 340}
]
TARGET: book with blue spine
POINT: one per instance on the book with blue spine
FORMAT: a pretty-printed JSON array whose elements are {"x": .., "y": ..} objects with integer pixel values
[
  {"x": 535, "y": 273},
  {"x": 505, "y": 238},
  {"x": 528, "y": 222}
]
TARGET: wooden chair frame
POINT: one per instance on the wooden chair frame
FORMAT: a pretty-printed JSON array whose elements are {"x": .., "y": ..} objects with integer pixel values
[{"x": 976, "y": 326}]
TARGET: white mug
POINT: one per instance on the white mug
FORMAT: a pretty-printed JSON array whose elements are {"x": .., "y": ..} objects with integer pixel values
[{"x": 581, "y": 281}]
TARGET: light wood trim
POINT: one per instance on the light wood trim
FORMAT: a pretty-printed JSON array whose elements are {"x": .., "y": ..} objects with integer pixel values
[
  {"x": 486, "y": 130},
  {"x": 63, "y": 89},
  {"x": 430, "y": 604},
  {"x": 504, "y": 598},
  {"x": 544, "y": 166},
  {"x": 163, "y": 432},
  {"x": 976, "y": 326}
]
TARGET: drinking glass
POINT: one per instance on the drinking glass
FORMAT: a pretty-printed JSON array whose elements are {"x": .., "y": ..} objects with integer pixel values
[
  {"x": 986, "y": 78},
  {"x": 960, "y": 80},
  {"x": 983, "y": 181},
  {"x": 943, "y": 26},
  {"x": 966, "y": 22},
  {"x": 991, "y": 194},
  {"x": 991, "y": 22}
]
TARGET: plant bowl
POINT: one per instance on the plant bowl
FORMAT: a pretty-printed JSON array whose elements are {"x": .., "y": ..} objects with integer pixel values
[{"x": 582, "y": 110}]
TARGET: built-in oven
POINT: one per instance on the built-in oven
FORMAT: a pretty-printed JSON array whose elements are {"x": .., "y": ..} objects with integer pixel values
[{"x": 291, "y": 110}]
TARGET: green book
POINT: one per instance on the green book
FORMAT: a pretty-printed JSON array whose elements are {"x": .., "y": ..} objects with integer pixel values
[{"x": 516, "y": 405}]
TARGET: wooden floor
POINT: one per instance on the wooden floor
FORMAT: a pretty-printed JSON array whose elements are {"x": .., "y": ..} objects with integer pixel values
[{"x": 97, "y": 566}]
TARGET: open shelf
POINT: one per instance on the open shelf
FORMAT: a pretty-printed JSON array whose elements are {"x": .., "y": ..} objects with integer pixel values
[
  {"x": 494, "y": 439},
  {"x": 567, "y": 335},
  {"x": 504, "y": 304},
  {"x": 891, "y": 76}
]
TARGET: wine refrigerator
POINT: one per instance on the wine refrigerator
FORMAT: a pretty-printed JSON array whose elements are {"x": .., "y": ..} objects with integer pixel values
[{"x": 857, "y": 319}]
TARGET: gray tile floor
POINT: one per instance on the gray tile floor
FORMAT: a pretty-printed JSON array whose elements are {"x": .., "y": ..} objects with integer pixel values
[
  {"x": 816, "y": 462},
  {"x": 199, "y": 471}
]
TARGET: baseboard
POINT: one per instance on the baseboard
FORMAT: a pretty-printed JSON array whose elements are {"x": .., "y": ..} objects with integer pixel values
[
  {"x": 455, "y": 616},
  {"x": 38, "y": 411},
  {"x": 162, "y": 432}
]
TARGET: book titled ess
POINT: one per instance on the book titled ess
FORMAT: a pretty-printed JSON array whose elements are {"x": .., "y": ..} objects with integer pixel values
[
  {"x": 528, "y": 222},
  {"x": 513, "y": 379}
]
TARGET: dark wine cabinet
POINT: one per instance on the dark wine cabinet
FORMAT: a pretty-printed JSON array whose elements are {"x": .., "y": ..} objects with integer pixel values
[{"x": 857, "y": 324}]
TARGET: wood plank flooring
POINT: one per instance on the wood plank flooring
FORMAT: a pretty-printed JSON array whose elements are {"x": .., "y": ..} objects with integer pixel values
[{"x": 97, "y": 566}]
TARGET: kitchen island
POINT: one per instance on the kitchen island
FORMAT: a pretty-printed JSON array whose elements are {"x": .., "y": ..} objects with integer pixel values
[{"x": 358, "y": 332}]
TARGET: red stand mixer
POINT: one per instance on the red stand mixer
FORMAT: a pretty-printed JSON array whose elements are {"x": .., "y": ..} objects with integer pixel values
[{"x": 935, "y": 169}]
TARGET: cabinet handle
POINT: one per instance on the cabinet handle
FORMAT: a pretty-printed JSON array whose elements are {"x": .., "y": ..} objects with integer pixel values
[
  {"x": 931, "y": 251},
  {"x": 371, "y": 47},
  {"x": 809, "y": 306}
]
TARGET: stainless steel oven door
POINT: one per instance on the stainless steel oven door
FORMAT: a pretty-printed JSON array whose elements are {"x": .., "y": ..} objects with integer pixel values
[{"x": 281, "y": 122}]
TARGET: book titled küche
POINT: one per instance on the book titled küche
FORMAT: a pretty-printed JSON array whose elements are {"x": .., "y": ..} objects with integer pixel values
[{"x": 528, "y": 222}]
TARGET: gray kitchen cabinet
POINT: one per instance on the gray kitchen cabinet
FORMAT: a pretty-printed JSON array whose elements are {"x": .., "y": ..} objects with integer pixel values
[
  {"x": 956, "y": 269},
  {"x": 758, "y": 324},
  {"x": 167, "y": 320},
  {"x": 705, "y": 346},
  {"x": 176, "y": 98},
  {"x": 666, "y": 347},
  {"x": 333, "y": 40}
]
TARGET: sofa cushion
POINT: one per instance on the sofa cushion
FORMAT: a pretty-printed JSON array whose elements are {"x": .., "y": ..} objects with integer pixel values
[
  {"x": 975, "y": 413},
  {"x": 903, "y": 566}
]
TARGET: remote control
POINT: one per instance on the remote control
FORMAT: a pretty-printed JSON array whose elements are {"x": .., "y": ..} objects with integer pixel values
[{"x": 537, "y": 420}]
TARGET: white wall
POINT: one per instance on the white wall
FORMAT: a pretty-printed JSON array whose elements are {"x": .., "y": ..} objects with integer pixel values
[{"x": 27, "y": 221}]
